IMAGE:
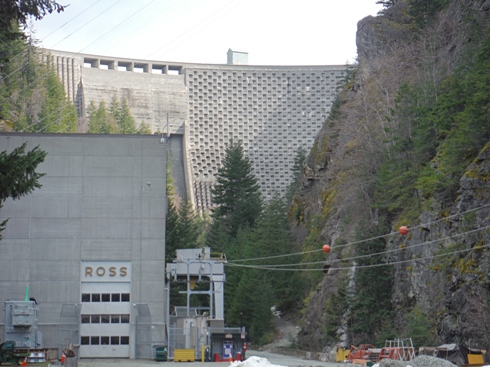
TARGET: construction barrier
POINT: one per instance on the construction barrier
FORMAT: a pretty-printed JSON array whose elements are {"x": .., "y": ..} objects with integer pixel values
[{"x": 184, "y": 355}]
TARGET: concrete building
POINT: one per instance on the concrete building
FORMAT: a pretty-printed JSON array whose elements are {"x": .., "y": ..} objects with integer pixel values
[
  {"x": 236, "y": 57},
  {"x": 91, "y": 242},
  {"x": 273, "y": 110}
]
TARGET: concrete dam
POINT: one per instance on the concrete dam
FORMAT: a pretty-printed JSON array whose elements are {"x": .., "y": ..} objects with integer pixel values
[{"x": 273, "y": 110}]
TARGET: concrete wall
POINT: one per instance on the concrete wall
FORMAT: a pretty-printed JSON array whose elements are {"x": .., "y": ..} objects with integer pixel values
[
  {"x": 94, "y": 205},
  {"x": 274, "y": 110}
]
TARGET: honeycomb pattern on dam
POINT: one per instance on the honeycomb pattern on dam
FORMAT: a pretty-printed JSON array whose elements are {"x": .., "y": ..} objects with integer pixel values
[{"x": 273, "y": 110}]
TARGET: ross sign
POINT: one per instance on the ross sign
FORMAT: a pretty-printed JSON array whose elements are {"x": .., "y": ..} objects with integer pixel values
[{"x": 105, "y": 271}]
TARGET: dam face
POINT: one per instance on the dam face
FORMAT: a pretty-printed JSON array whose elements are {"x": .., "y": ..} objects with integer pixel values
[{"x": 273, "y": 110}]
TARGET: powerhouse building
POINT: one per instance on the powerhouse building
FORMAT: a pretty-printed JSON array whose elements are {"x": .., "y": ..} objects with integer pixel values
[
  {"x": 273, "y": 110},
  {"x": 90, "y": 243}
]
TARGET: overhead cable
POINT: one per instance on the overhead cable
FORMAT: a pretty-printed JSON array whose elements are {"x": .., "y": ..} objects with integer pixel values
[{"x": 424, "y": 225}]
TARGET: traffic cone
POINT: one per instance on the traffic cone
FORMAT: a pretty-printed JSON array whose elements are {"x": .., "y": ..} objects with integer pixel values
[{"x": 24, "y": 364}]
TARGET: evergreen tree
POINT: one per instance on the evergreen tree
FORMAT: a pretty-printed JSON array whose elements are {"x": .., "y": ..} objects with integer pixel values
[
  {"x": 203, "y": 223},
  {"x": 371, "y": 304},
  {"x": 218, "y": 236},
  {"x": 18, "y": 176},
  {"x": 187, "y": 226},
  {"x": 115, "y": 110},
  {"x": 33, "y": 96},
  {"x": 15, "y": 14},
  {"x": 387, "y": 3},
  {"x": 144, "y": 129},
  {"x": 236, "y": 193},
  {"x": 297, "y": 172},
  {"x": 423, "y": 11},
  {"x": 252, "y": 308},
  {"x": 117, "y": 119},
  {"x": 58, "y": 114},
  {"x": 272, "y": 238},
  {"x": 172, "y": 232},
  {"x": 125, "y": 120},
  {"x": 11, "y": 80},
  {"x": 100, "y": 120},
  {"x": 336, "y": 306}
]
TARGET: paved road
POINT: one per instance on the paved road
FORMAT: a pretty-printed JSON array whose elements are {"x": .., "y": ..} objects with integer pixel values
[{"x": 276, "y": 359}]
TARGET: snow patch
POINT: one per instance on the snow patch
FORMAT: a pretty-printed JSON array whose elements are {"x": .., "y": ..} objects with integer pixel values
[{"x": 254, "y": 362}]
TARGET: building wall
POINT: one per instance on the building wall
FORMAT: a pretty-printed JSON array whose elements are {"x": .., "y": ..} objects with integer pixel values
[
  {"x": 274, "y": 110},
  {"x": 94, "y": 205}
]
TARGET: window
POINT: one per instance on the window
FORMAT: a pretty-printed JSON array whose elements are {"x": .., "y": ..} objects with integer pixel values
[
  {"x": 85, "y": 297},
  {"x": 105, "y": 319},
  {"x": 85, "y": 340},
  {"x": 95, "y": 319},
  {"x": 85, "y": 319},
  {"x": 104, "y": 340},
  {"x": 124, "y": 319},
  {"x": 114, "y": 340},
  {"x": 106, "y": 297},
  {"x": 124, "y": 297},
  {"x": 124, "y": 340},
  {"x": 94, "y": 340},
  {"x": 95, "y": 297},
  {"x": 115, "y": 319},
  {"x": 116, "y": 297}
]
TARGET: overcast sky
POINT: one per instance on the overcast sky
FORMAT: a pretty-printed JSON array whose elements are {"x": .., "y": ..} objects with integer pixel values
[{"x": 273, "y": 32}]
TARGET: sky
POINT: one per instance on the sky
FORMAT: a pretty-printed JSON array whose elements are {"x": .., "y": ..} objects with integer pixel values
[{"x": 272, "y": 32}]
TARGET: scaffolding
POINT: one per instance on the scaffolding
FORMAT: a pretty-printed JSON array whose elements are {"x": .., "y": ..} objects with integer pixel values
[{"x": 398, "y": 349}]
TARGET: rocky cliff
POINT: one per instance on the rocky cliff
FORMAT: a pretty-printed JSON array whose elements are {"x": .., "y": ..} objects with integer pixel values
[{"x": 440, "y": 268}]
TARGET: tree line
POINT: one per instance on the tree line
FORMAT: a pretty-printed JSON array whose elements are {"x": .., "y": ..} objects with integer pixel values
[{"x": 241, "y": 226}]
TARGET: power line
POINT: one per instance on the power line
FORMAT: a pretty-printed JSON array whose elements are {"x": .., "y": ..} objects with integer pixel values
[
  {"x": 269, "y": 267},
  {"x": 275, "y": 256},
  {"x": 118, "y": 25},
  {"x": 377, "y": 253},
  {"x": 44, "y": 76},
  {"x": 27, "y": 64},
  {"x": 364, "y": 240},
  {"x": 76, "y": 16},
  {"x": 54, "y": 31},
  {"x": 197, "y": 25}
]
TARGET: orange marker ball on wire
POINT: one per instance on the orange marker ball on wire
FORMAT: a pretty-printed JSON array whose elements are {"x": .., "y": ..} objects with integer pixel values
[
  {"x": 403, "y": 230},
  {"x": 326, "y": 248}
]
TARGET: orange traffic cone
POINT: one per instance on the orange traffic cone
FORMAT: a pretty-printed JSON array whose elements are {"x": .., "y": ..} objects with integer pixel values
[
  {"x": 231, "y": 359},
  {"x": 24, "y": 364}
]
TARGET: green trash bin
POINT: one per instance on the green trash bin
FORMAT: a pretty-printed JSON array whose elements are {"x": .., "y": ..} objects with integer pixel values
[{"x": 161, "y": 353}]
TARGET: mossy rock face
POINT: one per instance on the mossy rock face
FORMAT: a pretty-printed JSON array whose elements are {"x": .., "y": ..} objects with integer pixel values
[
  {"x": 443, "y": 267},
  {"x": 475, "y": 184}
]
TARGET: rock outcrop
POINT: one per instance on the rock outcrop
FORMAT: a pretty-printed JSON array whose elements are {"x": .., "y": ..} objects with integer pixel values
[{"x": 441, "y": 265}]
